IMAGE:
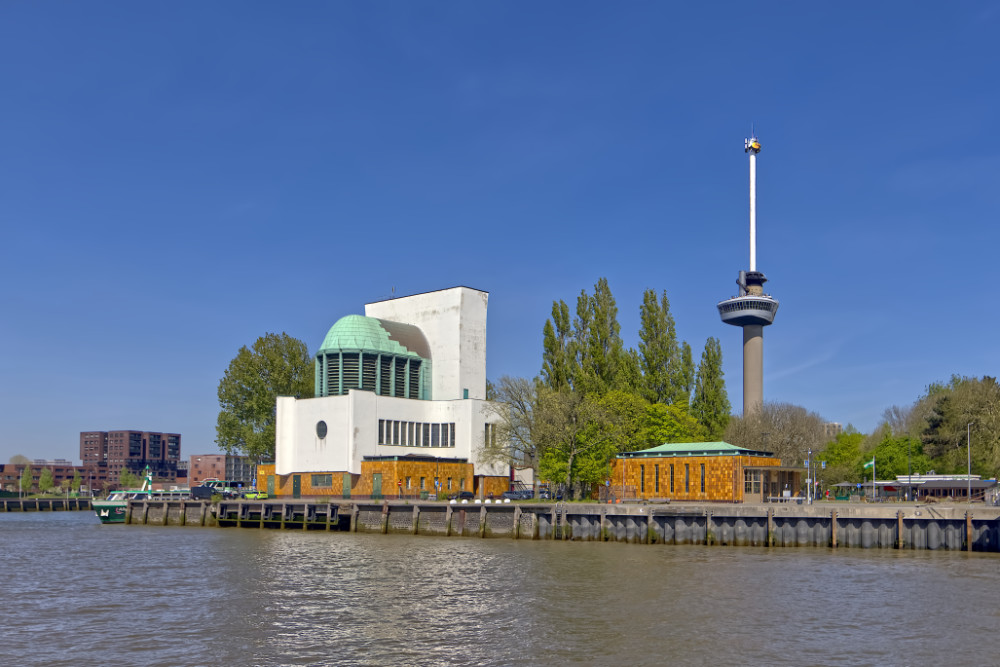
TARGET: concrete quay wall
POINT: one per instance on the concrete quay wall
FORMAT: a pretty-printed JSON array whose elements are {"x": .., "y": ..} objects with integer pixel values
[
  {"x": 44, "y": 504},
  {"x": 888, "y": 526}
]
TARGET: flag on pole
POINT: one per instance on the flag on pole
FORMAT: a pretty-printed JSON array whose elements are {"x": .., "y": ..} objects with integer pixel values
[{"x": 870, "y": 463}]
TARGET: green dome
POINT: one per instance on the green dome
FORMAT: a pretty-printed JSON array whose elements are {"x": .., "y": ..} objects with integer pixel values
[{"x": 372, "y": 335}]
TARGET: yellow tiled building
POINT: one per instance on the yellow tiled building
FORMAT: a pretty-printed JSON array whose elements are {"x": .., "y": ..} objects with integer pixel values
[
  {"x": 702, "y": 471},
  {"x": 410, "y": 476}
]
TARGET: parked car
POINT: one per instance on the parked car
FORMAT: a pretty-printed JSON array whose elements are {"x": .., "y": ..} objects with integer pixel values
[
  {"x": 202, "y": 492},
  {"x": 253, "y": 494},
  {"x": 521, "y": 494},
  {"x": 462, "y": 495}
]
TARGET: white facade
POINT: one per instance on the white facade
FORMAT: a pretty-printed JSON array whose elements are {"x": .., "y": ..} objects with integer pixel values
[{"x": 454, "y": 324}]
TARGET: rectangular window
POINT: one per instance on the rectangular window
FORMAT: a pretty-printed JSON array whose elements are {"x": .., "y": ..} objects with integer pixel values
[
  {"x": 687, "y": 478},
  {"x": 449, "y": 483},
  {"x": 411, "y": 430},
  {"x": 642, "y": 479},
  {"x": 322, "y": 481},
  {"x": 703, "y": 478},
  {"x": 423, "y": 481},
  {"x": 452, "y": 437},
  {"x": 671, "y": 478},
  {"x": 656, "y": 478},
  {"x": 408, "y": 480},
  {"x": 427, "y": 436},
  {"x": 395, "y": 433},
  {"x": 435, "y": 435}
]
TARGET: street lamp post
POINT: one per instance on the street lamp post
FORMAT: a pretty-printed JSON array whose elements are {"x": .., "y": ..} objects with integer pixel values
[
  {"x": 809, "y": 482},
  {"x": 909, "y": 471},
  {"x": 968, "y": 452}
]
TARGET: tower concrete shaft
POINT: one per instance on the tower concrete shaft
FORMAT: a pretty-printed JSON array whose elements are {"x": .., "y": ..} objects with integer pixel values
[{"x": 753, "y": 367}]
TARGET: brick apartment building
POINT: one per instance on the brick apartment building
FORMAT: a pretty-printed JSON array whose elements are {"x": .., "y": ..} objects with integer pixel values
[
  {"x": 107, "y": 452},
  {"x": 221, "y": 466},
  {"x": 62, "y": 471}
]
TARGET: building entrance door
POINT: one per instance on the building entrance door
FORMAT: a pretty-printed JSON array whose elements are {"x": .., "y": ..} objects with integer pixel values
[
  {"x": 377, "y": 485},
  {"x": 296, "y": 486},
  {"x": 346, "y": 488},
  {"x": 270, "y": 486}
]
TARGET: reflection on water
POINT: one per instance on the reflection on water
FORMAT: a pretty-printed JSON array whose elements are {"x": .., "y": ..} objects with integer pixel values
[{"x": 135, "y": 595}]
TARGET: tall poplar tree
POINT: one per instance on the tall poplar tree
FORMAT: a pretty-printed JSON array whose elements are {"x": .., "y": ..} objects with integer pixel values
[
  {"x": 599, "y": 334},
  {"x": 710, "y": 405},
  {"x": 659, "y": 355},
  {"x": 684, "y": 380},
  {"x": 557, "y": 354}
]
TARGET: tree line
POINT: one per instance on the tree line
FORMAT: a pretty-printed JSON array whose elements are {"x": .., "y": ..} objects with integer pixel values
[
  {"x": 594, "y": 398},
  {"x": 951, "y": 427},
  {"x": 946, "y": 427}
]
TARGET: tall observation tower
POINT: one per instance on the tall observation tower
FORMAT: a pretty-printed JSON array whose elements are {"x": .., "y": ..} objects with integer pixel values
[{"x": 751, "y": 308}]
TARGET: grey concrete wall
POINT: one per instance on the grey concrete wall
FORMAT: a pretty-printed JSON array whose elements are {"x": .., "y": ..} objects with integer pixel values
[{"x": 842, "y": 526}]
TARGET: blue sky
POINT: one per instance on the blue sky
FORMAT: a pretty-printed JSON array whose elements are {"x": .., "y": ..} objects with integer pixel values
[{"x": 177, "y": 179}]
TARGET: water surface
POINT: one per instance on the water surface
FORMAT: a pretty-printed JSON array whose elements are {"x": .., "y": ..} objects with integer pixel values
[{"x": 78, "y": 592}]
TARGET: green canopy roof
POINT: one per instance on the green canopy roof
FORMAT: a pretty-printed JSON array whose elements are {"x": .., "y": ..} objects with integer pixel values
[
  {"x": 694, "y": 449},
  {"x": 369, "y": 334}
]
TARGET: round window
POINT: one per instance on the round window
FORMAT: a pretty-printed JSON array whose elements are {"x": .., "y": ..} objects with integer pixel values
[{"x": 321, "y": 430}]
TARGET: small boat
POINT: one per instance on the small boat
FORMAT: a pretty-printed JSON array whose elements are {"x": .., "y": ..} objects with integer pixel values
[{"x": 113, "y": 508}]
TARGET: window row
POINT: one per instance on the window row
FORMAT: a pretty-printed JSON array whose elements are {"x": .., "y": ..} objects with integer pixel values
[
  {"x": 437, "y": 484},
  {"x": 384, "y": 374},
  {"x": 415, "y": 434},
  {"x": 769, "y": 306},
  {"x": 670, "y": 478}
]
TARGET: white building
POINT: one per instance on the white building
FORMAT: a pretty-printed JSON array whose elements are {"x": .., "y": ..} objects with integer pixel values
[{"x": 408, "y": 377}]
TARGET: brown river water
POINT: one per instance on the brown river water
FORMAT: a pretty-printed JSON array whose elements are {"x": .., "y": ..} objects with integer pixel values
[{"x": 79, "y": 593}]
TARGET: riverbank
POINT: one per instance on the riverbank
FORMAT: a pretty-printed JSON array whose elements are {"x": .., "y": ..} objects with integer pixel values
[
  {"x": 44, "y": 504},
  {"x": 889, "y": 526}
]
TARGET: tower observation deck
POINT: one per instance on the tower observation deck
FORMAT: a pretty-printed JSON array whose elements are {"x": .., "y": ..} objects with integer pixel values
[{"x": 751, "y": 309}]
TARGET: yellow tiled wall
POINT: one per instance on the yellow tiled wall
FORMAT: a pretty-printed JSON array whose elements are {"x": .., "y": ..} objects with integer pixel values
[
  {"x": 394, "y": 472},
  {"x": 723, "y": 477},
  {"x": 283, "y": 484}
]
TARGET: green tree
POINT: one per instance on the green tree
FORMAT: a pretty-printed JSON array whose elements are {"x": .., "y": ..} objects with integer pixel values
[
  {"x": 710, "y": 405},
  {"x": 948, "y": 410},
  {"x": 26, "y": 479},
  {"x": 630, "y": 372},
  {"x": 572, "y": 433},
  {"x": 659, "y": 353},
  {"x": 20, "y": 459},
  {"x": 685, "y": 376},
  {"x": 670, "y": 423},
  {"x": 77, "y": 480},
  {"x": 127, "y": 479},
  {"x": 625, "y": 420},
  {"x": 599, "y": 343},
  {"x": 789, "y": 431},
  {"x": 557, "y": 356},
  {"x": 843, "y": 457},
  {"x": 512, "y": 439},
  {"x": 46, "y": 481},
  {"x": 277, "y": 365},
  {"x": 896, "y": 455}
]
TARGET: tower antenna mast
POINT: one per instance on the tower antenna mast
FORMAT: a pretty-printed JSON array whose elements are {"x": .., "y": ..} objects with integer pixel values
[{"x": 751, "y": 309}]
